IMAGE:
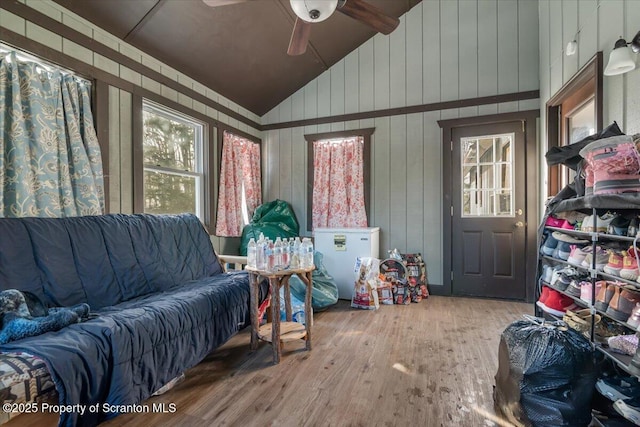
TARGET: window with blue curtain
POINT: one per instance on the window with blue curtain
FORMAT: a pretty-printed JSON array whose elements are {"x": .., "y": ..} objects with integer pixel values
[{"x": 50, "y": 162}]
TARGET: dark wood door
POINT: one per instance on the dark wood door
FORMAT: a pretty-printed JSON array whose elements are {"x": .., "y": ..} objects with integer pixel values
[{"x": 488, "y": 218}]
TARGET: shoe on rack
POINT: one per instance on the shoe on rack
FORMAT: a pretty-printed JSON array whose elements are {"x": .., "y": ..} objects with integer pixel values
[
  {"x": 603, "y": 297},
  {"x": 629, "y": 269},
  {"x": 557, "y": 303},
  {"x": 624, "y": 344},
  {"x": 576, "y": 256},
  {"x": 567, "y": 274},
  {"x": 544, "y": 295},
  {"x": 602, "y": 257},
  {"x": 575, "y": 287},
  {"x": 629, "y": 409},
  {"x": 563, "y": 248},
  {"x": 548, "y": 271},
  {"x": 622, "y": 303},
  {"x": 614, "y": 265},
  {"x": 619, "y": 226},
  {"x": 602, "y": 223},
  {"x": 586, "y": 288},
  {"x": 634, "y": 319},
  {"x": 549, "y": 245},
  {"x": 614, "y": 388}
]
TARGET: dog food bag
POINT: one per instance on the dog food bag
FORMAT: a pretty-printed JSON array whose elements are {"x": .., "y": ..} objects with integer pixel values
[{"x": 365, "y": 294}]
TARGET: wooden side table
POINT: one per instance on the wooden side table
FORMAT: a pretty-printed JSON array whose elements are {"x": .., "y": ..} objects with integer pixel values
[{"x": 278, "y": 332}]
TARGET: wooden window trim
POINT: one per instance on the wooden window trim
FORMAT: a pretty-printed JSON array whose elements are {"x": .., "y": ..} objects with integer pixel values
[
  {"x": 310, "y": 138},
  {"x": 585, "y": 85}
]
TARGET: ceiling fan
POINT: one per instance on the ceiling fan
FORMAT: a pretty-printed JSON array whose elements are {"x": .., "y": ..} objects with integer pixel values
[{"x": 310, "y": 11}]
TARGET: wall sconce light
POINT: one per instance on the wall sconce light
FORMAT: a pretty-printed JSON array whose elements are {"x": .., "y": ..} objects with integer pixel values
[{"x": 620, "y": 59}]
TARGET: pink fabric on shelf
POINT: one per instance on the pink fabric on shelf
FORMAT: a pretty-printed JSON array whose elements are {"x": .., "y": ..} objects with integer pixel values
[
  {"x": 239, "y": 172},
  {"x": 338, "y": 183}
]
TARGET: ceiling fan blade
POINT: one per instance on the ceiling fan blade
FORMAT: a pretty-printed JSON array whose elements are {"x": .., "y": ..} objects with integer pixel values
[
  {"x": 368, "y": 14},
  {"x": 215, "y": 3},
  {"x": 299, "y": 38}
]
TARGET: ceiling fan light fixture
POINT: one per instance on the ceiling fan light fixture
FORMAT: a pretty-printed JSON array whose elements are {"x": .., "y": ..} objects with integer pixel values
[{"x": 313, "y": 10}]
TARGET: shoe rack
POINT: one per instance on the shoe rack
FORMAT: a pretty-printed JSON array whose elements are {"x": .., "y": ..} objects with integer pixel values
[{"x": 593, "y": 205}]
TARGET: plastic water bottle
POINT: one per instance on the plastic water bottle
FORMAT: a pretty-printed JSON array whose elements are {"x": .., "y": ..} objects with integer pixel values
[
  {"x": 286, "y": 254},
  {"x": 277, "y": 252},
  {"x": 270, "y": 255},
  {"x": 296, "y": 261},
  {"x": 252, "y": 253},
  {"x": 306, "y": 248},
  {"x": 260, "y": 249}
]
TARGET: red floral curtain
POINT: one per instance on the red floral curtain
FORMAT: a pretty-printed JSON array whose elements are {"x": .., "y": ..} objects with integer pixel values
[
  {"x": 338, "y": 183},
  {"x": 239, "y": 184}
]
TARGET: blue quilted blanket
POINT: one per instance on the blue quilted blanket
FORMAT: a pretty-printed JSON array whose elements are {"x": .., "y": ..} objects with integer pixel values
[{"x": 161, "y": 300}]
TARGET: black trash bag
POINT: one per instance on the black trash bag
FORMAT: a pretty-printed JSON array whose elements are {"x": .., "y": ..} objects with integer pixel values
[
  {"x": 273, "y": 219},
  {"x": 546, "y": 375}
]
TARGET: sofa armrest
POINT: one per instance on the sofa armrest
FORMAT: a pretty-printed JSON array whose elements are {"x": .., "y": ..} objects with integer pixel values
[{"x": 233, "y": 262}]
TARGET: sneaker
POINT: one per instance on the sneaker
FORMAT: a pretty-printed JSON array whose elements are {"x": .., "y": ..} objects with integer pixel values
[
  {"x": 602, "y": 223},
  {"x": 557, "y": 303},
  {"x": 544, "y": 295},
  {"x": 563, "y": 249},
  {"x": 601, "y": 258},
  {"x": 554, "y": 222},
  {"x": 629, "y": 269},
  {"x": 547, "y": 272},
  {"x": 622, "y": 303},
  {"x": 624, "y": 344},
  {"x": 586, "y": 289},
  {"x": 629, "y": 408},
  {"x": 615, "y": 263},
  {"x": 615, "y": 388},
  {"x": 634, "y": 319},
  {"x": 603, "y": 297},
  {"x": 575, "y": 287},
  {"x": 619, "y": 226},
  {"x": 577, "y": 256},
  {"x": 564, "y": 279},
  {"x": 549, "y": 245}
]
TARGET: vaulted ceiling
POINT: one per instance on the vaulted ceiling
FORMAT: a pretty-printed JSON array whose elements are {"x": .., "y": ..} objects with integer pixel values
[{"x": 238, "y": 50}]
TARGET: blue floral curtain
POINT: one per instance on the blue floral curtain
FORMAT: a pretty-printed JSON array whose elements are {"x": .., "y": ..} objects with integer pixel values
[{"x": 50, "y": 164}]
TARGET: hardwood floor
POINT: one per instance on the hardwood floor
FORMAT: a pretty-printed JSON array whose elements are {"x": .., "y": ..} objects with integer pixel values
[{"x": 426, "y": 364}]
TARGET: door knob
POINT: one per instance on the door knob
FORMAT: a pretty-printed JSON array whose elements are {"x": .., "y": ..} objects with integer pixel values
[
  {"x": 519, "y": 224},
  {"x": 518, "y": 211}
]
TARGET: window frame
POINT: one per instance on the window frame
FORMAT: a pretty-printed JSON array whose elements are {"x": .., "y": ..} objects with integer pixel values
[
  {"x": 310, "y": 138},
  {"x": 200, "y": 142},
  {"x": 584, "y": 86}
]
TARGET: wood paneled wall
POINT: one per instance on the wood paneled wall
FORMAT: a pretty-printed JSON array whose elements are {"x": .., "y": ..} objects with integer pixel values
[
  {"x": 595, "y": 25},
  {"x": 442, "y": 51}
]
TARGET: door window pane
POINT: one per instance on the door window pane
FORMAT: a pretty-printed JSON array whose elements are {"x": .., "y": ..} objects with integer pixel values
[{"x": 487, "y": 179}]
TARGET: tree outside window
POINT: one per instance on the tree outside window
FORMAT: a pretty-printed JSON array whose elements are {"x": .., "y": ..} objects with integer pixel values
[{"x": 172, "y": 155}]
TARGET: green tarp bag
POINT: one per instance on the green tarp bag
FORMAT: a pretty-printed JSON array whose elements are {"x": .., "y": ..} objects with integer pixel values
[{"x": 273, "y": 219}]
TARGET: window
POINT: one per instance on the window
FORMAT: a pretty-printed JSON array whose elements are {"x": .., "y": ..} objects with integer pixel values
[
  {"x": 487, "y": 181},
  {"x": 173, "y": 162},
  {"x": 338, "y": 177}
]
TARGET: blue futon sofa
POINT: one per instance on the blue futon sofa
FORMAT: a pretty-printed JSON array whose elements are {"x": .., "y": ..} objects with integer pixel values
[{"x": 160, "y": 299}]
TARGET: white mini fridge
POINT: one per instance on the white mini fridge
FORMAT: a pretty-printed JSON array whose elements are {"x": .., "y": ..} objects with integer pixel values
[{"x": 340, "y": 248}]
